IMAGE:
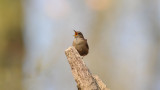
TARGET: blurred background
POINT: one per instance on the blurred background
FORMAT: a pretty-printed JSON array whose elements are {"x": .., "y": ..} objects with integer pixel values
[{"x": 123, "y": 36}]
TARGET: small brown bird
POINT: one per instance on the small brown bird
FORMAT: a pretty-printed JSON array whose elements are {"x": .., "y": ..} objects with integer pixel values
[{"x": 80, "y": 43}]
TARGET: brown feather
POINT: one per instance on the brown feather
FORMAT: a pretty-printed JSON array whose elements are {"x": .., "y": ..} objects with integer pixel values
[{"x": 81, "y": 44}]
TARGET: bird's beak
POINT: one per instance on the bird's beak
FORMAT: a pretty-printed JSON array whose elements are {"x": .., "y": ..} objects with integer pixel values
[{"x": 75, "y": 33}]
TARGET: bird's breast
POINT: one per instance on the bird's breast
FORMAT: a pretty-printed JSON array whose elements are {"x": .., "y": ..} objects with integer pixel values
[
  {"x": 79, "y": 41},
  {"x": 81, "y": 46}
]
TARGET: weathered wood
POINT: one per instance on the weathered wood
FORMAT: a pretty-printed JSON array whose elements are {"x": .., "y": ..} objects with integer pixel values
[{"x": 81, "y": 74}]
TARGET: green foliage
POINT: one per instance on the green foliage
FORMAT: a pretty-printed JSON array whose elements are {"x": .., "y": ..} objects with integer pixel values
[{"x": 11, "y": 44}]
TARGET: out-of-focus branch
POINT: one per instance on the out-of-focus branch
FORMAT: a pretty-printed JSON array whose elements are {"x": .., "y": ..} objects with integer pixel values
[{"x": 81, "y": 74}]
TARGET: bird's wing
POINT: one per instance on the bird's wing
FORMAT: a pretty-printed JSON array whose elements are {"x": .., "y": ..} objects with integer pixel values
[{"x": 86, "y": 44}]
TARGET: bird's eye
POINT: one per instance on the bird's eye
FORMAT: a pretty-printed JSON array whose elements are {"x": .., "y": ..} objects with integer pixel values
[{"x": 79, "y": 33}]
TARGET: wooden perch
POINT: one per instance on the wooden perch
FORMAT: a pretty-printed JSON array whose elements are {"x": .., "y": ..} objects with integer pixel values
[{"x": 83, "y": 77}]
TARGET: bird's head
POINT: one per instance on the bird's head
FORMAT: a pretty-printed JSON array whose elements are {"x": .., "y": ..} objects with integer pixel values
[{"x": 78, "y": 34}]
